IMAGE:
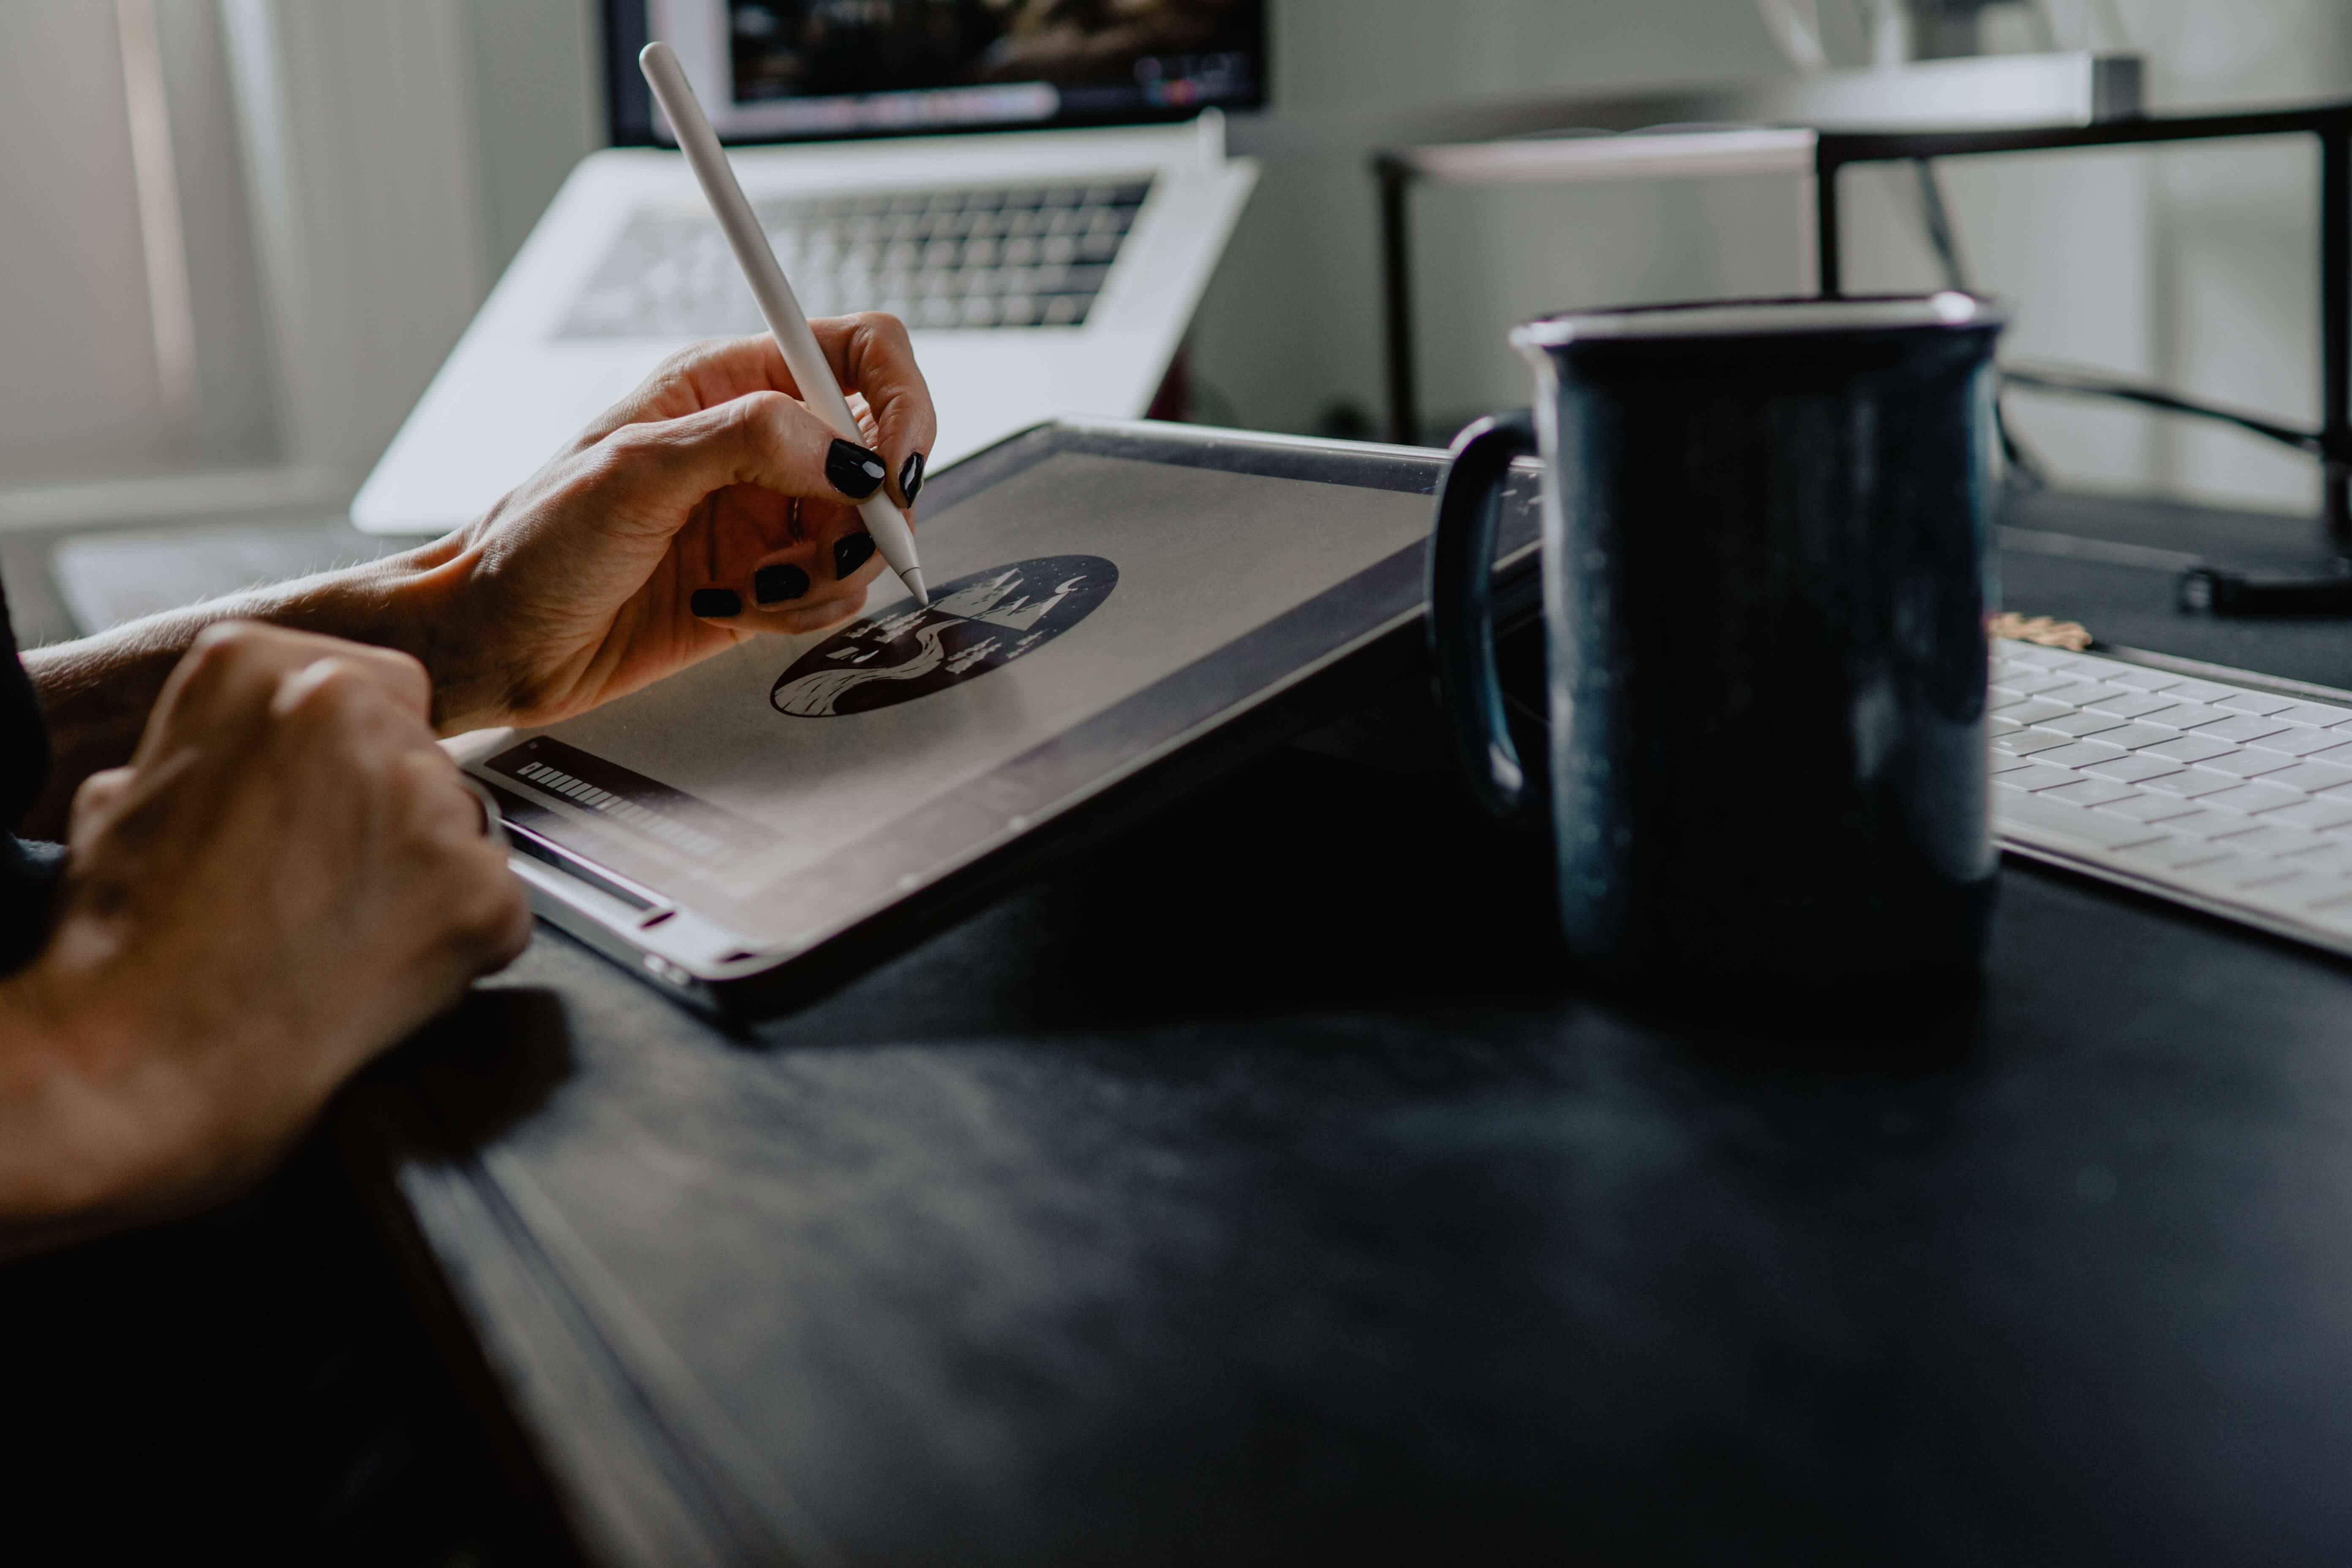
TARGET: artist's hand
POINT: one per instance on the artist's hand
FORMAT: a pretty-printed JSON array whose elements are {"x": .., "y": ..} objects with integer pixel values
[
  {"x": 710, "y": 506},
  {"x": 285, "y": 879}
]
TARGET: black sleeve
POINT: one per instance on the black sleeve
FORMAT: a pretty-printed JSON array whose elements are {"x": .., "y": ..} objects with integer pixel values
[{"x": 27, "y": 871}]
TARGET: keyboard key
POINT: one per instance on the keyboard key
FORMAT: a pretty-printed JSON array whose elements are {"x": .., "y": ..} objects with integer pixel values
[
  {"x": 2281, "y": 882},
  {"x": 2248, "y": 763},
  {"x": 2106, "y": 792},
  {"x": 2081, "y": 692},
  {"x": 2072, "y": 823},
  {"x": 2185, "y": 749},
  {"x": 2081, "y": 754},
  {"x": 2312, "y": 776},
  {"x": 2258, "y": 796},
  {"x": 1997, "y": 725},
  {"x": 2033, "y": 709},
  {"x": 2194, "y": 690},
  {"x": 2141, "y": 680},
  {"x": 2130, "y": 704},
  {"x": 2034, "y": 775},
  {"x": 2173, "y": 854},
  {"x": 2026, "y": 742},
  {"x": 2143, "y": 806},
  {"x": 2316, "y": 814},
  {"x": 2191, "y": 784},
  {"x": 2252, "y": 702},
  {"x": 2317, "y": 713},
  {"x": 2230, "y": 873},
  {"x": 2032, "y": 685},
  {"x": 1999, "y": 763},
  {"x": 2245, "y": 726},
  {"x": 2276, "y": 838},
  {"x": 2031, "y": 653},
  {"x": 2202, "y": 824},
  {"x": 2299, "y": 741},
  {"x": 2134, "y": 735},
  {"x": 2086, "y": 723},
  {"x": 2186, "y": 715},
  {"x": 2137, "y": 768},
  {"x": 2335, "y": 860}
]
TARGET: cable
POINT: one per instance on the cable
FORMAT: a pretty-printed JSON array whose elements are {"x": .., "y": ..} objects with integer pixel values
[
  {"x": 2075, "y": 384},
  {"x": 1943, "y": 236}
]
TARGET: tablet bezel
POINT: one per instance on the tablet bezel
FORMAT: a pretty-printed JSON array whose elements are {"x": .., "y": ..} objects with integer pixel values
[{"x": 874, "y": 897}]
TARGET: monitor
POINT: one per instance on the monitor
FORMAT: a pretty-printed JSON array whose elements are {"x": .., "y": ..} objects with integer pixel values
[{"x": 794, "y": 70}]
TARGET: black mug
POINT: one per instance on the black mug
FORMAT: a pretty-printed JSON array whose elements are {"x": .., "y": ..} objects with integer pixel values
[{"x": 1767, "y": 563}]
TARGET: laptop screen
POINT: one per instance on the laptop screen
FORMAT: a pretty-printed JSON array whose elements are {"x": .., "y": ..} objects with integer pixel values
[{"x": 790, "y": 70}]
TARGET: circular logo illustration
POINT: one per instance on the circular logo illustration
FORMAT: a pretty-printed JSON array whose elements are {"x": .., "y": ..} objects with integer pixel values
[{"x": 974, "y": 624}]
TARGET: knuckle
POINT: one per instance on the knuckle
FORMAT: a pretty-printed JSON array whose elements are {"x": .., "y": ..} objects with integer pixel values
[
  {"x": 220, "y": 651},
  {"x": 762, "y": 413},
  {"x": 226, "y": 637}
]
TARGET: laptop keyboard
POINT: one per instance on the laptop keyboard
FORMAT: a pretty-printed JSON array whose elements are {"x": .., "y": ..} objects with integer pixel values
[
  {"x": 970, "y": 258},
  {"x": 2222, "y": 797}
]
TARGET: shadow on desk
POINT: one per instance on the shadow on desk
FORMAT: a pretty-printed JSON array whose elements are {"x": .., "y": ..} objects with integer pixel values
[{"x": 1255, "y": 1191}]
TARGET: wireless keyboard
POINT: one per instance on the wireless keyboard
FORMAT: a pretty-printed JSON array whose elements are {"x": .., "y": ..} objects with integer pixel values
[{"x": 2229, "y": 798}]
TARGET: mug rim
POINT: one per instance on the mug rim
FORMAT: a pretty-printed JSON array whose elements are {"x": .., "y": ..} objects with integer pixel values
[{"x": 1947, "y": 308}]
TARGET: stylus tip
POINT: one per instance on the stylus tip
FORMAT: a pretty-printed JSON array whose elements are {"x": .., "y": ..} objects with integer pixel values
[{"x": 913, "y": 577}]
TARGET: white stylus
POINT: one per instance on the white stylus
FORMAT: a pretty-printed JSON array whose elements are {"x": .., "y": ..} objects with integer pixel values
[{"x": 818, "y": 389}]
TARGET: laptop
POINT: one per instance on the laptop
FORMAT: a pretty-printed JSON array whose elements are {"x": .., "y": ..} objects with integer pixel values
[{"x": 1039, "y": 188}]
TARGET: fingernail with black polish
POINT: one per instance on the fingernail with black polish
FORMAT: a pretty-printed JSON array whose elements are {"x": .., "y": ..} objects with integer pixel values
[
  {"x": 774, "y": 585},
  {"x": 850, "y": 552},
  {"x": 716, "y": 602},
  {"x": 910, "y": 478},
  {"x": 855, "y": 471}
]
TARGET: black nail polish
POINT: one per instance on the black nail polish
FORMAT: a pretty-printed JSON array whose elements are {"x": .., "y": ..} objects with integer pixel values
[
  {"x": 850, "y": 552},
  {"x": 716, "y": 602},
  {"x": 855, "y": 471},
  {"x": 774, "y": 585},
  {"x": 910, "y": 478}
]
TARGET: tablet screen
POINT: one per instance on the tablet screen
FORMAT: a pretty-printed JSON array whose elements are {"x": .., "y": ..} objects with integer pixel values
[{"x": 1083, "y": 599}]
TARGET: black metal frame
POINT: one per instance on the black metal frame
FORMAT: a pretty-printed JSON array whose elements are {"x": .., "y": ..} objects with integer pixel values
[
  {"x": 1835, "y": 151},
  {"x": 2332, "y": 124}
]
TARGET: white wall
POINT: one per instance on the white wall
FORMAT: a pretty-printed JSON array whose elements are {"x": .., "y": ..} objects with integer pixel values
[
  {"x": 1291, "y": 323},
  {"x": 2195, "y": 268},
  {"x": 78, "y": 377}
]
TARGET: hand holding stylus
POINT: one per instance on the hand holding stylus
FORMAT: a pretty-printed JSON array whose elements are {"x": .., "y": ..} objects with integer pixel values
[{"x": 778, "y": 305}]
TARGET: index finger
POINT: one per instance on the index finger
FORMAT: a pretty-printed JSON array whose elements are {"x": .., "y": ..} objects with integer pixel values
[
  {"x": 872, "y": 355},
  {"x": 869, "y": 354}
]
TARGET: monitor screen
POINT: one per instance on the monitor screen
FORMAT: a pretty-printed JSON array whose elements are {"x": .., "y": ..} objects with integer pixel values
[{"x": 783, "y": 70}]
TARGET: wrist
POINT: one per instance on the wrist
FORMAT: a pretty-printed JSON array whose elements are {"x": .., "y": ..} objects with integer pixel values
[
  {"x": 428, "y": 604},
  {"x": 112, "y": 1109},
  {"x": 71, "y": 1153}
]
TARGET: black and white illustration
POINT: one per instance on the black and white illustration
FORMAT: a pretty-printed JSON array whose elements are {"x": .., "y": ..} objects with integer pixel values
[{"x": 977, "y": 623}]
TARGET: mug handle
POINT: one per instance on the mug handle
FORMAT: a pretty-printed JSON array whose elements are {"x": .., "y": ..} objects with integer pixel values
[{"x": 1462, "y": 613}]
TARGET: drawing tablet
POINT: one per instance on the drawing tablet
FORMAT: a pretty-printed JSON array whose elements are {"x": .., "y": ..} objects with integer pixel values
[{"x": 1119, "y": 611}]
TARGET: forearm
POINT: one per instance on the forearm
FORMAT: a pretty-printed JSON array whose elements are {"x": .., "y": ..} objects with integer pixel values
[{"x": 96, "y": 693}]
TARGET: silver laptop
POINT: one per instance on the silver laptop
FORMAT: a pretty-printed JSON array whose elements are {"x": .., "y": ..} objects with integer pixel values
[{"x": 1042, "y": 197}]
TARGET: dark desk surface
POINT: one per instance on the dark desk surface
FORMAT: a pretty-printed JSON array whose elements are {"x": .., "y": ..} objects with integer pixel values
[{"x": 1263, "y": 1189}]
